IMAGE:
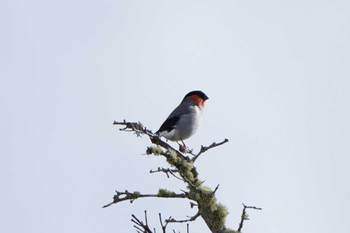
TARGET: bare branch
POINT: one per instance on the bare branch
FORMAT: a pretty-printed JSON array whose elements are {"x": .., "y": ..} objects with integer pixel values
[
  {"x": 125, "y": 196},
  {"x": 191, "y": 219},
  {"x": 216, "y": 188},
  {"x": 205, "y": 148},
  {"x": 140, "y": 226},
  {"x": 135, "y": 127},
  {"x": 245, "y": 216},
  {"x": 167, "y": 171},
  {"x": 161, "y": 223}
]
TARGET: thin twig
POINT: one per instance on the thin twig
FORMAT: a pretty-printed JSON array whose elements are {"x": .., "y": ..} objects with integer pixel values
[
  {"x": 191, "y": 219},
  {"x": 216, "y": 189},
  {"x": 125, "y": 196},
  {"x": 135, "y": 127},
  {"x": 167, "y": 171},
  {"x": 245, "y": 216},
  {"x": 140, "y": 226},
  {"x": 205, "y": 148},
  {"x": 161, "y": 223}
]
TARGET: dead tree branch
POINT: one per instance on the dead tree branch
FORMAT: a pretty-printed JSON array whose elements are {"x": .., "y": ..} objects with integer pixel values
[
  {"x": 190, "y": 219},
  {"x": 161, "y": 223},
  {"x": 205, "y": 148},
  {"x": 167, "y": 171},
  {"x": 140, "y": 226},
  {"x": 127, "y": 196},
  {"x": 245, "y": 216}
]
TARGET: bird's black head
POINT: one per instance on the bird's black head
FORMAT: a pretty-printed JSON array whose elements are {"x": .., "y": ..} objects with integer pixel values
[{"x": 197, "y": 93}]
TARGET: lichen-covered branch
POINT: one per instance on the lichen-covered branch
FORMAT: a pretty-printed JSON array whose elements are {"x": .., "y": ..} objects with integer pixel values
[{"x": 213, "y": 213}]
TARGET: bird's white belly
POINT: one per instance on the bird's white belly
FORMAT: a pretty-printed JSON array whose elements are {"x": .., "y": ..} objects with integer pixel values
[{"x": 186, "y": 126}]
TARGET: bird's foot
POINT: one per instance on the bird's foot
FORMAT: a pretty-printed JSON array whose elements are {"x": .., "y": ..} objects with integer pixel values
[{"x": 183, "y": 149}]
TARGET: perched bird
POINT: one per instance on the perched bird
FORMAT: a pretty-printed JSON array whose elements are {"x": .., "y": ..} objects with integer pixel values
[{"x": 183, "y": 122}]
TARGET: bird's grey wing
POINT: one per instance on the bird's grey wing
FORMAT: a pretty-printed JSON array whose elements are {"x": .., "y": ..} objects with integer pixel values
[
  {"x": 182, "y": 109},
  {"x": 169, "y": 124},
  {"x": 174, "y": 117}
]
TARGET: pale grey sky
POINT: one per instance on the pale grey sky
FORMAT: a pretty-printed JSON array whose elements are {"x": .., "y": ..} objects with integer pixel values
[{"x": 277, "y": 74}]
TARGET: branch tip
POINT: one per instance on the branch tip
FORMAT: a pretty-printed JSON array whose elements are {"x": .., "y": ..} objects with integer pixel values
[{"x": 244, "y": 215}]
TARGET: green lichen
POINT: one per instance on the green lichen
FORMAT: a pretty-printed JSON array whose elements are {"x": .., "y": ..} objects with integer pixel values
[
  {"x": 188, "y": 165},
  {"x": 214, "y": 213},
  {"x": 165, "y": 193},
  {"x": 228, "y": 231},
  {"x": 218, "y": 216},
  {"x": 156, "y": 150},
  {"x": 172, "y": 157},
  {"x": 194, "y": 196},
  {"x": 186, "y": 170},
  {"x": 135, "y": 195}
]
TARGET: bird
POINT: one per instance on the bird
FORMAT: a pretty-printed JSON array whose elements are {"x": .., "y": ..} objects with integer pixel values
[{"x": 184, "y": 120}]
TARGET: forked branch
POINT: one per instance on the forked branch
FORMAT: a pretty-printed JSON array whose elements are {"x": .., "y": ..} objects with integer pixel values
[
  {"x": 140, "y": 226},
  {"x": 205, "y": 148},
  {"x": 245, "y": 216}
]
